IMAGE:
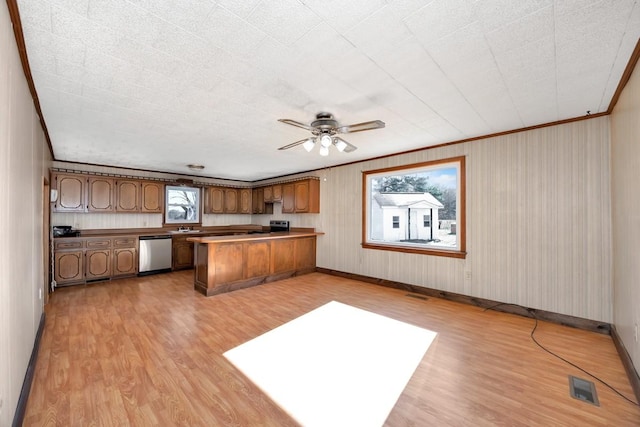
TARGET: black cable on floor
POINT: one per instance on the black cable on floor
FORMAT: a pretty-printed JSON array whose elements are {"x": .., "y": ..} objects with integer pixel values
[{"x": 533, "y": 316}]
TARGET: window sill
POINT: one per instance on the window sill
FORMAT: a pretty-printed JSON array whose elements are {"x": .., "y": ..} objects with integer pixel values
[{"x": 413, "y": 250}]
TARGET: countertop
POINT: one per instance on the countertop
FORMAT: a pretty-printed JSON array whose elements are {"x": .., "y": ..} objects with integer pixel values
[{"x": 253, "y": 237}]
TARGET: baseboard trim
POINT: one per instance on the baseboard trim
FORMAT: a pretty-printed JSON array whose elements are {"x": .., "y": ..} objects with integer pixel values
[
  {"x": 634, "y": 379},
  {"x": 562, "y": 319},
  {"x": 18, "y": 418}
]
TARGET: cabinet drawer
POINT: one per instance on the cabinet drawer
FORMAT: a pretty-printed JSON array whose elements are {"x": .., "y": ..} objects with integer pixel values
[
  {"x": 98, "y": 243},
  {"x": 125, "y": 242},
  {"x": 66, "y": 244}
]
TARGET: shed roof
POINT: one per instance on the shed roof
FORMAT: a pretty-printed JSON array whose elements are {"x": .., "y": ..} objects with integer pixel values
[{"x": 408, "y": 200}]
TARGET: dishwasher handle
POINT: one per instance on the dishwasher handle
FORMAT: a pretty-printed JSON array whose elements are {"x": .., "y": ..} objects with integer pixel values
[{"x": 154, "y": 237}]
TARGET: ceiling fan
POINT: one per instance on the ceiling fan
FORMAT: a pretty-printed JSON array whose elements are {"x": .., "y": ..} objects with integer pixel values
[{"x": 324, "y": 128}]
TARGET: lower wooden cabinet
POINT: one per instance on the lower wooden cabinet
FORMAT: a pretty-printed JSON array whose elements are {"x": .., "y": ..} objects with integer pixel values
[
  {"x": 97, "y": 264},
  {"x": 69, "y": 267},
  {"x": 81, "y": 260},
  {"x": 181, "y": 253}
]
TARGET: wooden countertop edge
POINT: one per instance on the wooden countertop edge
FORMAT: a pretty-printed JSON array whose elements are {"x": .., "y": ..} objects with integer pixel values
[{"x": 253, "y": 237}]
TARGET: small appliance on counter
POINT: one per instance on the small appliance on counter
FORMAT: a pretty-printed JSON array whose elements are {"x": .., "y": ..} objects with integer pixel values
[
  {"x": 278, "y": 225},
  {"x": 64, "y": 231}
]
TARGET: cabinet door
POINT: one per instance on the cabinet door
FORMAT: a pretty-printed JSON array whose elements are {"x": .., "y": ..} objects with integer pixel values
[
  {"x": 100, "y": 195},
  {"x": 125, "y": 261},
  {"x": 245, "y": 201},
  {"x": 127, "y": 196},
  {"x": 216, "y": 200},
  {"x": 230, "y": 200},
  {"x": 97, "y": 264},
  {"x": 257, "y": 200},
  {"x": 182, "y": 254},
  {"x": 288, "y": 198},
  {"x": 307, "y": 196},
  {"x": 268, "y": 194},
  {"x": 277, "y": 193},
  {"x": 152, "y": 197},
  {"x": 69, "y": 267},
  {"x": 71, "y": 192}
]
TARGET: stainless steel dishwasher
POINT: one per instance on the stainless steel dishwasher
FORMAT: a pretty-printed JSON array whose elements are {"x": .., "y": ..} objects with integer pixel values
[{"x": 155, "y": 255}]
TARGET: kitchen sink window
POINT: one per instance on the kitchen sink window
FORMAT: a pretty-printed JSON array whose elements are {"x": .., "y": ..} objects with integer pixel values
[{"x": 183, "y": 205}]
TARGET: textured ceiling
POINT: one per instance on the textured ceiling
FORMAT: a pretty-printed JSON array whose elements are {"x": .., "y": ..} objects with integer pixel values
[{"x": 159, "y": 84}]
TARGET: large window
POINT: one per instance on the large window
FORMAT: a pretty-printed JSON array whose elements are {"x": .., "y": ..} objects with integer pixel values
[
  {"x": 182, "y": 205},
  {"x": 418, "y": 208}
]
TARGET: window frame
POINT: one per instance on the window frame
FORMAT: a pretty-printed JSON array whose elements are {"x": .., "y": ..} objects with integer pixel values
[
  {"x": 460, "y": 251},
  {"x": 197, "y": 208}
]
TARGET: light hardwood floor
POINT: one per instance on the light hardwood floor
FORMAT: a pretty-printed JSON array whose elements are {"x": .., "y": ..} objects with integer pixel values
[{"x": 148, "y": 351}]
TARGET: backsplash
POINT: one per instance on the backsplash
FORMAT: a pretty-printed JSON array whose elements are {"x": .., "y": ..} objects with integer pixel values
[{"x": 94, "y": 221}]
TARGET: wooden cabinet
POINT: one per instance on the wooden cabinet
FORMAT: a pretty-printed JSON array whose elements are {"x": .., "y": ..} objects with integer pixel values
[
  {"x": 100, "y": 194},
  {"x": 301, "y": 196},
  {"x": 268, "y": 193},
  {"x": 277, "y": 193},
  {"x": 257, "y": 200},
  {"x": 181, "y": 253},
  {"x": 214, "y": 200},
  {"x": 245, "y": 206},
  {"x": 125, "y": 256},
  {"x": 68, "y": 256},
  {"x": 273, "y": 193},
  {"x": 71, "y": 192},
  {"x": 97, "y": 264},
  {"x": 288, "y": 198},
  {"x": 127, "y": 196},
  {"x": 80, "y": 260},
  {"x": 152, "y": 197},
  {"x": 231, "y": 200}
]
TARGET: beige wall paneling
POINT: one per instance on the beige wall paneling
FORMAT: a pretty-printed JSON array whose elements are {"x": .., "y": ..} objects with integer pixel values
[
  {"x": 625, "y": 168},
  {"x": 24, "y": 162},
  {"x": 538, "y": 228}
]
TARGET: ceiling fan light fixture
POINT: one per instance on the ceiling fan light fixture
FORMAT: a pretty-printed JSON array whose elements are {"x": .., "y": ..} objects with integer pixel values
[
  {"x": 309, "y": 144},
  {"x": 324, "y": 151},
  {"x": 340, "y": 144},
  {"x": 325, "y": 141}
]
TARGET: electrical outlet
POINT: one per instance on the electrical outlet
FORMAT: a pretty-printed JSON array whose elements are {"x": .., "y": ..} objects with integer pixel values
[
  {"x": 467, "y": 275},
  {"x": 635, "y": 332},
  {"x": 40, "y": 294}
]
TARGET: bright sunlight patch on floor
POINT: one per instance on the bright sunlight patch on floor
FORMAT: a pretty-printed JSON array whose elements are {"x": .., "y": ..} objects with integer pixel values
[{"x": 336, "y": 365}]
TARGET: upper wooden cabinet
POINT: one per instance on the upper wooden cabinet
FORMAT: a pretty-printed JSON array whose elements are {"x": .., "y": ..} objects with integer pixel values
[
  {"x": 127, "y": 196},
  {"x": 301, "y": 196},
  {"x": 152, "y": 197},
  {"x": 100, "y": 194},
  {"x": 273, "y": 193},
  {"x": 231, "y": 200},
  {"x": 71, "y": 192},
  {"x": 214, "y": 200},
  {"x": 257, "y": 200},
  {"x": 91, "y": 193},
  {"x": 277, "y": 192},
  {"x": 245, "y": 205}
]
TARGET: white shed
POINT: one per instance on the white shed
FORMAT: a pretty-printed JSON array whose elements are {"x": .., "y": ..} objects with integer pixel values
[{"x": 404, "y": 216}]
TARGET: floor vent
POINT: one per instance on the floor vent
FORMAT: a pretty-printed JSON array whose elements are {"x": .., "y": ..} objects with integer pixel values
[
  {"x": 583, "y": 390},
  {"x": 416, "y": 296}
]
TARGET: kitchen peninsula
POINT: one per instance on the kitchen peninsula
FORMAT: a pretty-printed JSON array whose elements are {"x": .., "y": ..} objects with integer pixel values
[{"x": 228, "y": 263}]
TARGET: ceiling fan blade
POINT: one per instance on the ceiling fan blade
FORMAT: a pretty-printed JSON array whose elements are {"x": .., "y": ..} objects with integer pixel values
[
  {"x": 296, "y": 124},
  {"x": 293, "y": 144},
  {"x": 359, "y": 127},
  {"x": 349, "y": 147}
]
